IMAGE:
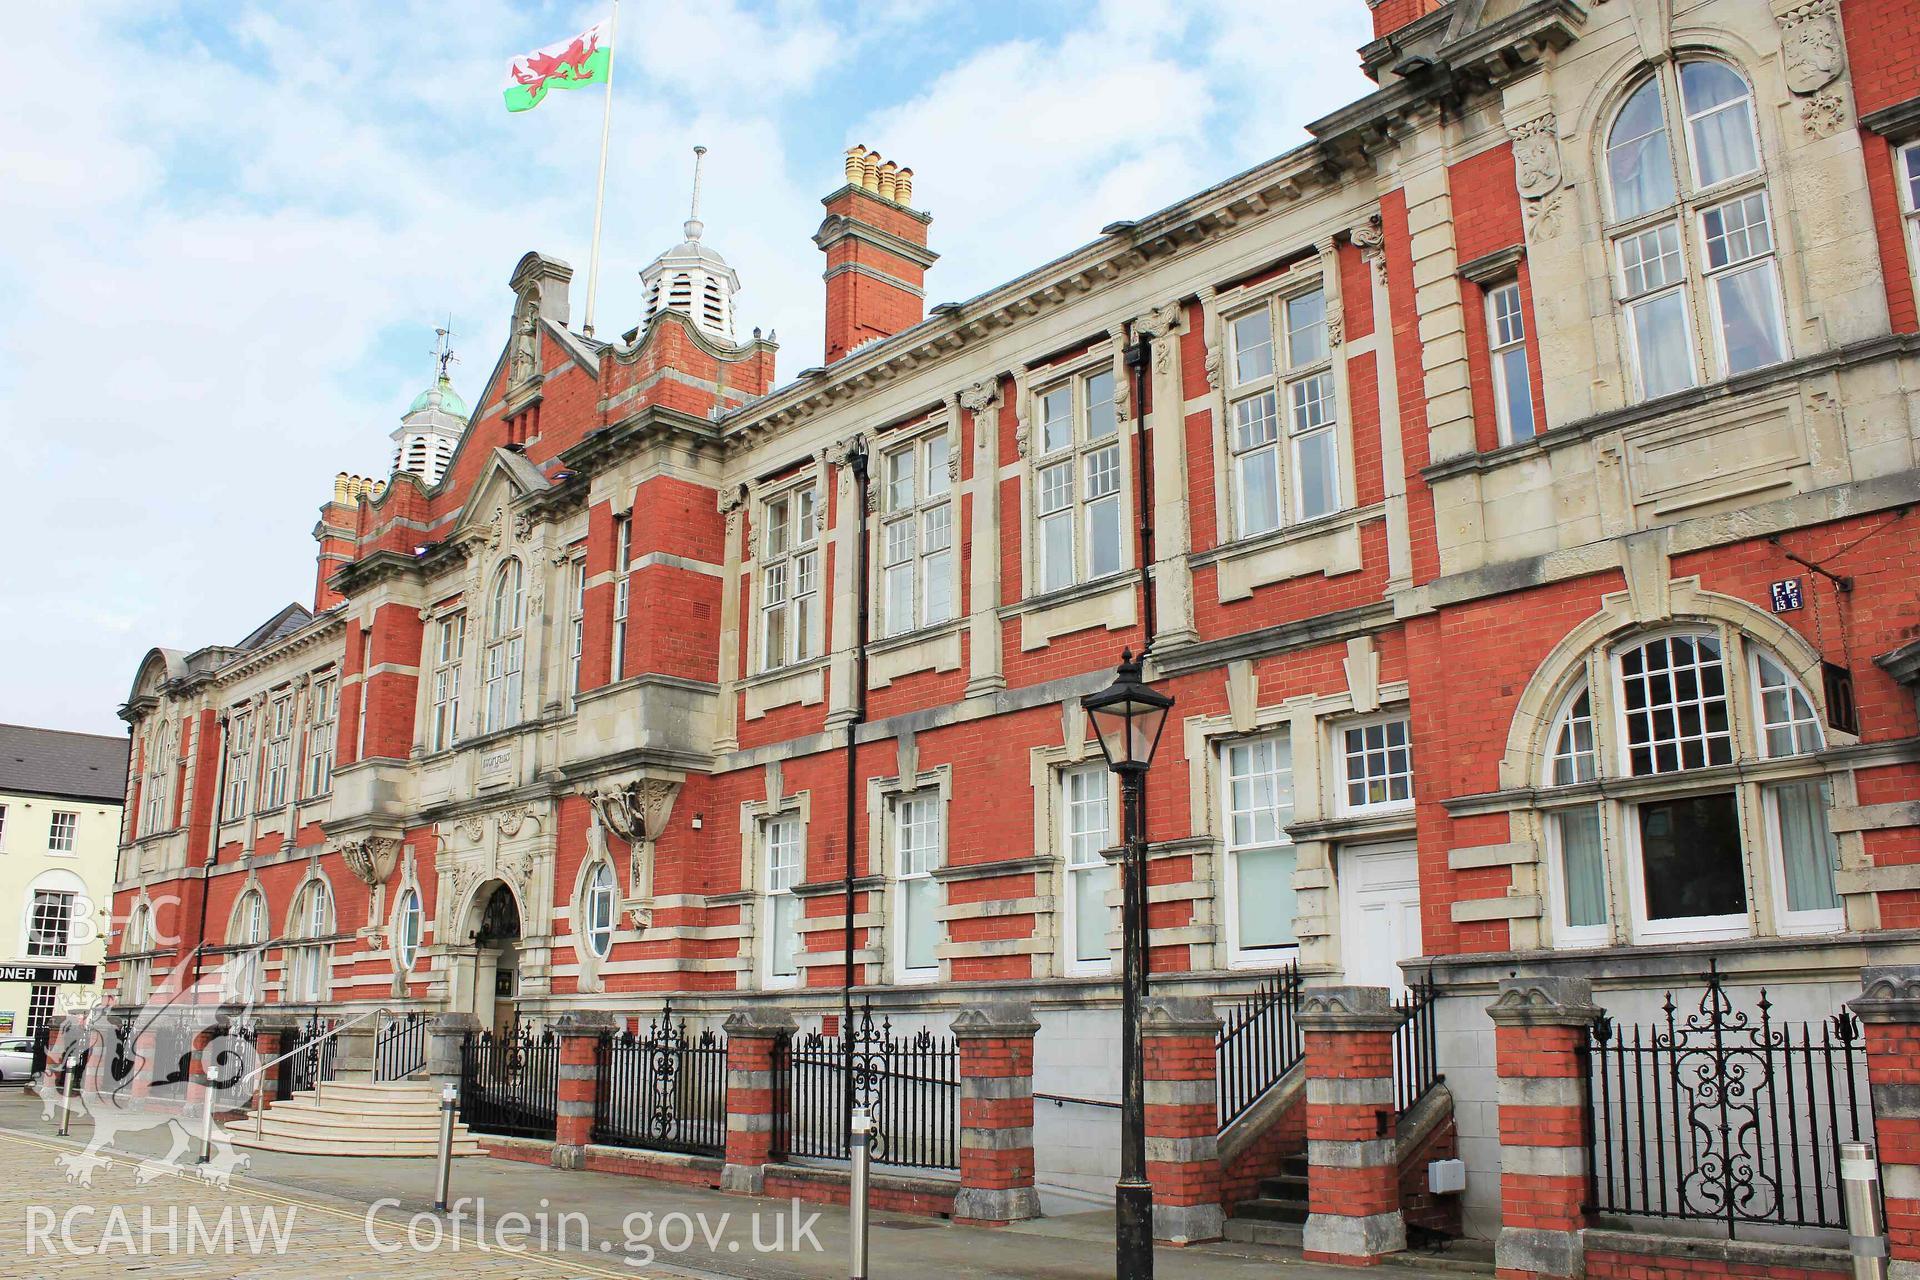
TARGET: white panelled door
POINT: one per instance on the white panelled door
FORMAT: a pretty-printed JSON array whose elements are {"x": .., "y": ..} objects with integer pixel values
[{"x": 1379, "y": 913}]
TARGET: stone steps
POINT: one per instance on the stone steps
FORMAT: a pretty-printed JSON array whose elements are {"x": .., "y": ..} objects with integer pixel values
[{"x": 353, "y": 1118}]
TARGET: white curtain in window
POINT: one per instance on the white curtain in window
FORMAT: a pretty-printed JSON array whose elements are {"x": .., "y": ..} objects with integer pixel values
[
  {"x": 1583, "y": 871},
  {"x": 1639, "y": 165},
  {"x": 1807, "y": 847}
]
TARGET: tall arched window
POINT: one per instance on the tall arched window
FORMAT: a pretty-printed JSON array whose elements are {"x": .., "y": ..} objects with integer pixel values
[
  {"x": 1688, "y": 844},
  {"x": 247, "y": 931},
  {"x": 153, "y": 802},
  {"x": 506, "y": 647},
  {"x": 1691, "y": 229},
  {"x": 309, "y": 955},
  {"x": 136, "y": 972},
  {"x": 601, "y": 899}
]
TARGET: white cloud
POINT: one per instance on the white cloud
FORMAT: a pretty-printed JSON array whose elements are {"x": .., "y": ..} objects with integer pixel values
[{"x": 225, "y": 256}]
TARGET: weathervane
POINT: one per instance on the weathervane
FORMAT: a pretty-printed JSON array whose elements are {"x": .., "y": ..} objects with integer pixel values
[{"x": 443, "y": 347}]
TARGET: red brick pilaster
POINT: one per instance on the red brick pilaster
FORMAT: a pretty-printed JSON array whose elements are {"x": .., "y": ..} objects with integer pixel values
[
  {"x": 1353, "y": 1191},
  {"x": 1889, "y": 1008},
  {"x": 1540, "y": 1032},
  {"x": 580, "y": 1038},
  {"x": 996, "y": 1115},
  {"x": 754, "y": 1036},
  {"x": 1183, "y": 1119}
]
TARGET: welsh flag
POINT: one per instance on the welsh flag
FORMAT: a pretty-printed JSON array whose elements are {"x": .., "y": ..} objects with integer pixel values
[{"x": 580, "y": 63}]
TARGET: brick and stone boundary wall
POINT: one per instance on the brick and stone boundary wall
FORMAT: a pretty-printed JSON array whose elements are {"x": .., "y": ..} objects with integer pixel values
[
  {"x": 1353, "y": 1190},
  {"x": 1621, "y": 1255}
]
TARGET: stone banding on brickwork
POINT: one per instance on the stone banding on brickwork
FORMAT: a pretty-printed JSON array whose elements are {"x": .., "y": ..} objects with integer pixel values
[
  {"x": 754, "y": 1036},
  {"x": 1183, "y": 1119},
  {"x": 996, "y": 1114},
  {"x": 580, "y": 1035}
]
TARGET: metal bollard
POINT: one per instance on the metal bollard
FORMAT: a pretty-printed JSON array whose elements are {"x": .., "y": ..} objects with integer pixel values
[
  {"x": 449, "y": 1102},
  {"x": 206, "y": 1123},
  {"x": 861, "y": 1126},
  {"x": 66, "y": 1096},
  {"x": 1860, "y": 1192}
]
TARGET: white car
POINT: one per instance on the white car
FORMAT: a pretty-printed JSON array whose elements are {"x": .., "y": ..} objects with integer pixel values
[{"x": 16, "y": 1059}]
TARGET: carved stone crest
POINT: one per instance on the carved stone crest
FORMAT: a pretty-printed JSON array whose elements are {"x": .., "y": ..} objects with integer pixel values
[
  {"x": 1543, "y": 216},
  {"x": 371, "y": 859},
  {"x": 1810, "y": 45},
  {"x": 980, "y": 397},
  {"x": 1162, "y": 324},
  {"x": 1824, "y": 114},
  {"x": 1371, "y": 241},
  {"x": 1536, "y": 156}
]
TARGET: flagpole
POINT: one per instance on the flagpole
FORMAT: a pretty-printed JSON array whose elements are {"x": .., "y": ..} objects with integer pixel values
[{"x": 600, "y": 189}]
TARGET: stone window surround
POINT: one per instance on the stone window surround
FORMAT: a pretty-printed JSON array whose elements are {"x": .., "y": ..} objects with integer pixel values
[
  {"x": 1526, "y": 905},
  {"x": 1047, "y": 767},
  {"x": 1029, "y": 383},
  {"x": 409, "y": 882},
  {"x": 1336, "y": 730},
  {"x": 809, "y": 476},
  {"x": 432, "y": 618},
  {"x": 881, "y": 851},
  {"x": 1685, "y": 210},
  {"x": 914, "y": 436},
  {"x": 752, "y": 898},
  {"x": 1219, "y": 309},
  {"x": 1906, "y": 152},
  {"x": 589, "y": 975}
]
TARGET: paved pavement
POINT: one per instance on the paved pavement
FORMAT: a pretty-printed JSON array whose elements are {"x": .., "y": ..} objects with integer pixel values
[{"x": 575, "y": 1224}]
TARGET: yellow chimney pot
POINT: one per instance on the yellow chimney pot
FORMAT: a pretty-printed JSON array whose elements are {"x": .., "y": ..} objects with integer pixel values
[
  {"x": 888, "y": 175},
  {"x": 903, "y": 185},
  {"x": 854, "y": 154},
  {"x": 870, "y": 171}
]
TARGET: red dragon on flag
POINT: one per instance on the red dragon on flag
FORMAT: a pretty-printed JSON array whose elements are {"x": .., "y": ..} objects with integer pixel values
[{"x": 570, "y": 64}]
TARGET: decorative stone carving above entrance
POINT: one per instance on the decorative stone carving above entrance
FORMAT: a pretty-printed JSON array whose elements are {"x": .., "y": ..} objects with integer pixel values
[{"x": 371, "y": 859}]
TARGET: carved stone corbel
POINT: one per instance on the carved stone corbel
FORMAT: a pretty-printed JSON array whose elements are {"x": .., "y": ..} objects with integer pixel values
[
  {"x": 1160, "y": 324},
  {"x": 371, "y": 859},
  {"x": 638, "y": 813},
  {"x": 1371, "y": 241}
]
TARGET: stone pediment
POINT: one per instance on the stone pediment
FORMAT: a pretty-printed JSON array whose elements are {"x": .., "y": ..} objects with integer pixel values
[{"x": 487, "y": 514}]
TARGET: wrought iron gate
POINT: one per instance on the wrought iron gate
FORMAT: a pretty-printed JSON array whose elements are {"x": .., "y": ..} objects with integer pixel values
[
  {"x": 909, "y": 1084},
  {"x": 511, "y": 1084},
  {"x": 1726, "y": 1115},
  {"x": 662, "y": 1089}
]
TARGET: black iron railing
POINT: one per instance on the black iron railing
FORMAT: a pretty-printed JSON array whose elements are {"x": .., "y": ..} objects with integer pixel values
[
  {"x": 1725, "y": 1115},
  {"x": 172, "y": 1041},
  {"x": 662, "y": 1090},
  {"x": 909, "y": 1084},
  {"x": 510, "y": 1084},
  {"x": 1259, "y": 1042},
  {"x": 1416, "y": 1045},
  {"x": 400, "y": 1046},
  {"x": 314, "y": 1062}
]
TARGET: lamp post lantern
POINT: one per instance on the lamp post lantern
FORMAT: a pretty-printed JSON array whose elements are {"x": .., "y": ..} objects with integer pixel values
[{"x": 1128, "y": 717}]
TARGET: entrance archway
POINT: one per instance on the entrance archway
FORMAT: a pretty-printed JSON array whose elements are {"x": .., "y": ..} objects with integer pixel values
[{"x": 494, "y": 929}]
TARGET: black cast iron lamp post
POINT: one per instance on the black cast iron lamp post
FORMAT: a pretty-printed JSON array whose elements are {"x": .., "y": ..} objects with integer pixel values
[{"x": 1127, "y": 718}]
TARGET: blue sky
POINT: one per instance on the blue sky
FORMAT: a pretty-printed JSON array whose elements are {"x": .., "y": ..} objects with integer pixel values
[{"x": 227, "y": 250}]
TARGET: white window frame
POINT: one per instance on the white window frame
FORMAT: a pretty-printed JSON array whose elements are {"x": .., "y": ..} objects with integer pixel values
[
  {"x": 1070, "y": 833},
  {"x": 1566, "y": 935},
  {"x": 409, "y": 929},
  {"x": 153, "y": 798},
  {"x": 42, "y": 1000},
  {"x": 60, "y": 906},
  {"x": 600, "y": 894},
  {"x": 1906, "y": 177},
  {"x": 3, "y": 828},
  {"x": 576, "y": 623},
  {"x": 1289, "y": 374},
  {"x": 1240, "y": 956},
  {"x": 247, "y": 930},
  {"x": 1787, "y": 921},
  {"x": 905, "y": 537},
  {"x": 1685, "y": 216},
  {"x": 1622, "y": 728},
  {"x": 788, "y": 572},
  {"x": 63, "y": 836},
  {"x": 449, "y": 651},
  {"x": 503, "y": 660},
  {"x": 1683, "y": 928},
  {"x": 1344, "y": 763},
  {"x": 1076, "y": 451},
  {"x": 900, "y": 853},
  {"x": 309, "y": 959},
  {"x": 323, "y": 712},
  {"x": 277, "y": 763},
  {"x": 622, "y": 594},
  {"x": 778, "y": 833},
  {"x": 239, "y": 764},
  {"x": 136, "y": 972},
  {"x": 1507, "y": 339}
]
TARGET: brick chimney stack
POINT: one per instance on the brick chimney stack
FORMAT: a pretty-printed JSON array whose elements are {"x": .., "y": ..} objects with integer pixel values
[
  {"x": 1391, "y": 15},
  {"x": 877, "y": 255},
  {"x": 338, "y": 533}
]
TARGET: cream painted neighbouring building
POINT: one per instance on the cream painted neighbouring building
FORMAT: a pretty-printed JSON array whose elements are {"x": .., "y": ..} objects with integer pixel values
[{"x": 60, "y": 809}]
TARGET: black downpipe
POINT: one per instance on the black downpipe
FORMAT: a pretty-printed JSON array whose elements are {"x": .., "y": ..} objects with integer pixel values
[
  {"x": 1139, "y": 358},
  {"x": 213, "y": 845},
  {"x": 857, "y": 460}
]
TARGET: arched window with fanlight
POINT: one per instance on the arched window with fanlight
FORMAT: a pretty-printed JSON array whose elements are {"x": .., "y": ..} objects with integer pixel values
[
  {"x": 505, "y": 648},
  {"x": 136, "y": 971},
  {"x": 1656, "y": 826},
  {"x": 247, "y": 935},
  {"x": 1690, "y": 227},
  {"x": 309, "y": 949}
]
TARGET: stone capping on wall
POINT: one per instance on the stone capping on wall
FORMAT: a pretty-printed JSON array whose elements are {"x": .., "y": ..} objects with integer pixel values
[
  {"x": 1778, "y": 1259},
  {"x": 1537, "y": 1001},
  {"x": 1897, "y": 123},
  {"x": 1489, "y": 267}
]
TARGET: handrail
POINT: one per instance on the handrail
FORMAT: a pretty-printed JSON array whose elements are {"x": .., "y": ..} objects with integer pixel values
[
  {"x": 259, "y": 1069},
  {"x": 1061, "y": 1099}
]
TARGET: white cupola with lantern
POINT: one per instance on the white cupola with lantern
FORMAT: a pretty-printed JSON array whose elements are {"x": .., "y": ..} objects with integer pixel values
[
  {"x": 431, "y": 428},
  {"x": 691, "y": 278}
]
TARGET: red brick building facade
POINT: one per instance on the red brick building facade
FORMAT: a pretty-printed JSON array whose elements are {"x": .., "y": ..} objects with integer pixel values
[{"x": 1516, "y": 499}]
